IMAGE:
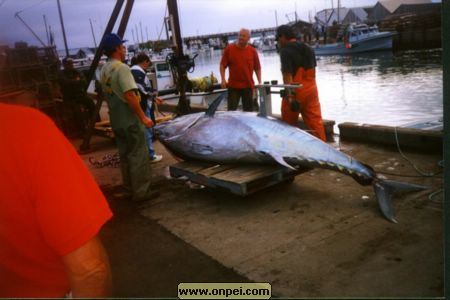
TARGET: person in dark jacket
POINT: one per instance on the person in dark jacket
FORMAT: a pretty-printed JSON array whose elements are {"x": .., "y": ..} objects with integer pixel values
[{"x": 73, "y": 88}]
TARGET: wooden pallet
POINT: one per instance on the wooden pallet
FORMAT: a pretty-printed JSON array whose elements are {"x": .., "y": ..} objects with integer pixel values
[
  {"x": 238, "y": 179},
  {"x": 104, "y": 127}
]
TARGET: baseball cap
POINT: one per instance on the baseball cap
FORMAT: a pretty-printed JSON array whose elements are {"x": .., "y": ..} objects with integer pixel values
[{"x": 111, "y": 41}]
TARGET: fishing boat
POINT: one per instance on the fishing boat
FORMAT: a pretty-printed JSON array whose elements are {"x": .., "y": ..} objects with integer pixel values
[
  {"x": 160, "y": 75},
  {"x": 358, "y": 38},
  {"x": 268, "y": 43}
]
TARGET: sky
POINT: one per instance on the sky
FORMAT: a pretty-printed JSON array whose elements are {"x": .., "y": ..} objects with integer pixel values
[{"x": 197, "y": 17}]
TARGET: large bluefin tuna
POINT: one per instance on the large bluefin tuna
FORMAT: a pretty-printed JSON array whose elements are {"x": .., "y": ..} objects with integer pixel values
[{"x": 242, "y": 137}]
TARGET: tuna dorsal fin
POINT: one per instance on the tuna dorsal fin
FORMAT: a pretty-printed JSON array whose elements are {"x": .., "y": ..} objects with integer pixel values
[{"x": 214, "y": 105}]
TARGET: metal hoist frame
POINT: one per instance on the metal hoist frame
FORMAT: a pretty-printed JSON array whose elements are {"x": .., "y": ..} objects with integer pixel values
[{"x": 265, "y": 91}]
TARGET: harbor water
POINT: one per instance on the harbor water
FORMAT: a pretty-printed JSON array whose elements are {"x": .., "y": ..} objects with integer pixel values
[{"x": 376, "y": 88}]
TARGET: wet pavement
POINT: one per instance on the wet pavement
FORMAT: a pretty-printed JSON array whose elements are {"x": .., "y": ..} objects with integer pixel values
[{"x": 320, "y": 236}]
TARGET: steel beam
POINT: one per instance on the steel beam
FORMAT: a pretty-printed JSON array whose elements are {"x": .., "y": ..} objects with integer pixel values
[{"x": 183, "y": 104}]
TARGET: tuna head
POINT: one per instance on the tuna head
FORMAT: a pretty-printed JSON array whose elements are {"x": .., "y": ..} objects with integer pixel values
[{"x": 173, "y": 128}]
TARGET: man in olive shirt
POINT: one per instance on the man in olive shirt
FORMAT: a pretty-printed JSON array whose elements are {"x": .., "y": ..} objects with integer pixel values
[{"x": 127, "y": 119}]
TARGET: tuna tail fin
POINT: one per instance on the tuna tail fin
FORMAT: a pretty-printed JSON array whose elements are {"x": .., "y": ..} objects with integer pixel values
[
  {"x": 214, "y": 105},
  {"x": 385, "y": 189}
]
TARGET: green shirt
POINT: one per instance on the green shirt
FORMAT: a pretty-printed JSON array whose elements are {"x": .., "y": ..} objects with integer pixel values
[{"x": 116, "y": 79}]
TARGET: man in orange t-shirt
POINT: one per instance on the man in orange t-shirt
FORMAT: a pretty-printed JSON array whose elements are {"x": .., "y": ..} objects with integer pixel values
[
  {"x": 242, "y": 60},
  {"x": 51, "y": 210}
]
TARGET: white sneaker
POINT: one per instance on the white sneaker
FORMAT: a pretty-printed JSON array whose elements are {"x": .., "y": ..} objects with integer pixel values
[{"x": 156, "y": 158}]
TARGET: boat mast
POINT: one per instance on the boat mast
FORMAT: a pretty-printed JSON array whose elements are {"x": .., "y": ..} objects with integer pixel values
[
  {"x": 182, "y": 61},
  {"x": 93, "y": 35},
  {"x": 338, "y": 11},
  {"x": 276, "y": 18},
  {"x": 296, "y": 18},
  {"x": 62, "y": 28},
  {"x": 46, "y": 30},
  {"x": 142, "y": 35},
  {"x": 29, "y": 28},
  {"x": 137, "y": 34}
]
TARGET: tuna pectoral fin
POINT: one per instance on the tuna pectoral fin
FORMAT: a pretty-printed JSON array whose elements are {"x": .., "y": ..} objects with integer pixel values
[
  {"x": 384, "y": 189},
  {"x": 172, "y": 138},
  {"x": 279, "y": 159}
]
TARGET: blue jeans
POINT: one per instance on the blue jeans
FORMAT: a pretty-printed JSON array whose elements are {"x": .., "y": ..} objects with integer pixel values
[{"x": 149, "y": 133}]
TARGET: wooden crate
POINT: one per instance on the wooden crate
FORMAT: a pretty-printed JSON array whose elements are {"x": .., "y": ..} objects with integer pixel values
[
  {"x": 104, "y": 128},
  {"x": 238, "y": 179}
]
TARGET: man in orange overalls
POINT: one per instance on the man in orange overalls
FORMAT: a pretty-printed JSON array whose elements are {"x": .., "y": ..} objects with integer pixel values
[{"x": 298, "y": 63}]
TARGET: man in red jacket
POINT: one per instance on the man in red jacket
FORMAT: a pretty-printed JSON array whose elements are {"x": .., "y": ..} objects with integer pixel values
[
  {"x": 51, "y": 211},
  {"x": 242, "y": 60}
]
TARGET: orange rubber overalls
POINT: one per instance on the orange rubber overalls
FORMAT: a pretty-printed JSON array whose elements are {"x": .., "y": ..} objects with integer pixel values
[{"x": 308, "y": 97}]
